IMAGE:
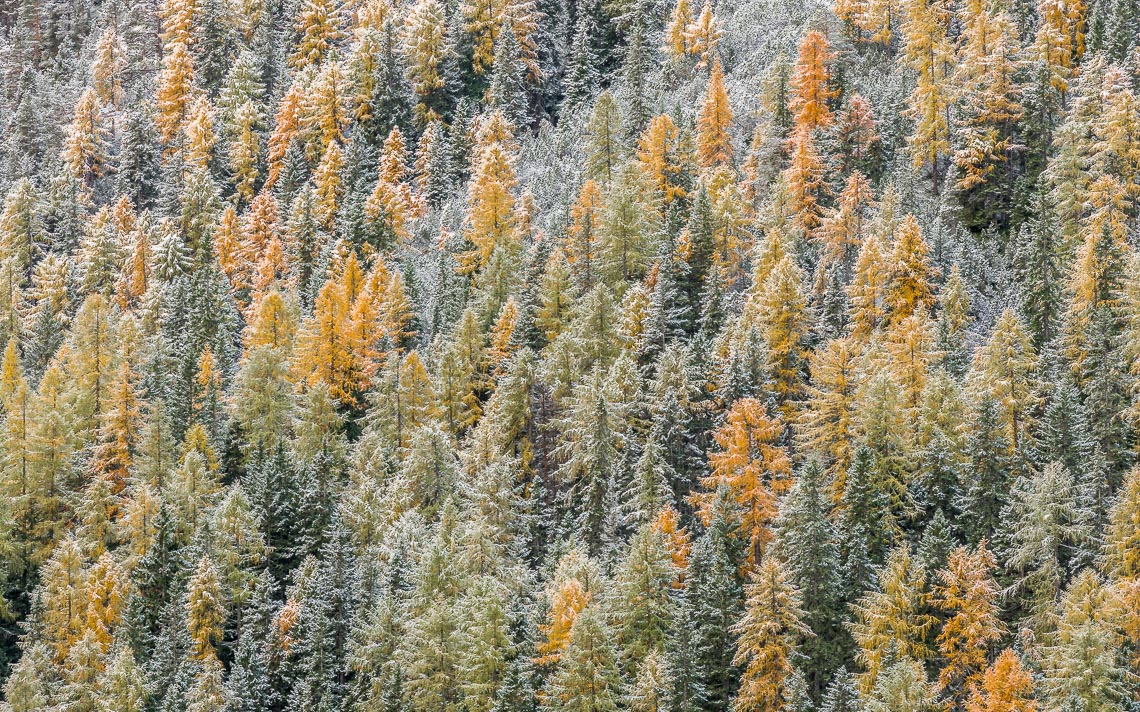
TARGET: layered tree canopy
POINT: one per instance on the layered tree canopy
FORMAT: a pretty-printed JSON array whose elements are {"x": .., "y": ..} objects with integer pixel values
[{"x": 570, "y": 356}]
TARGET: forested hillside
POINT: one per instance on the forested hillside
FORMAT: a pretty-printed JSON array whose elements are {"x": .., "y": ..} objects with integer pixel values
[{"x": 570, "y": 355}]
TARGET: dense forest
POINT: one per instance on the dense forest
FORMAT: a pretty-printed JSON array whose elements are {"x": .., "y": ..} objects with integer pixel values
[{"x": 570, "y": 355}]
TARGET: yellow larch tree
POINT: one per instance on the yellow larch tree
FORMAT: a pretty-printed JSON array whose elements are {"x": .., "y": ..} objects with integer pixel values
[
  {"x": 582, "y": 236},
  {"x": 827, "y": 424},
  {"x": 179, "y": 22},
  {"x": 805, "y": 181},
  {"x": 107, "y": 68},
  {"x": 568, "y": 600},
  {"x": 676, "y": 45},
  {"x": 501, "y": 337},
  {"x": 324, "y": 351},
  {"x": 910, "y": 275},
  {"x": 63, "y": 597},
  {"x": 199, "y": 137},
  {"x": 176, "y": 92},
  {"x": 714, "y": 145},
  {"x": 273, "y": 325},
  {"x": 850, "y": 12},
  {"x": 119, "y": 431},
  {"x": 491, "y": 218},
  {"x": 1060, "y": 39},
  {"x": 731, "y": 236},
  {"x": 244, "y": 150},
  {"x": 811, "y": 83},
  {"x": 988, "y": 60},
  {"x": 911, "y": 346},
  {"x": 575, "y": 583},
  {"x": 325, "y": 110},
  {"x": 750, "y": 462},
  {"x": 772, "y": 623},
  {"x": 877, "y": 18},
  {"x": 969, "y": 596},
  {"x": 702, "y": 36},
  {"x": 425, "y": 46},
  {"x": 892, "y": 617},
  {"x": 668, "y": 524},
  {"x": 327, "y": 184},
  {"x": 205, "y": 609},
  {"x": 784, "y": 323},
  {"x": 928, "y": 52},
  {"x": 1122, "y": 540},
  {"x": 287, "y": 126},
  {"x": 485, "y": 18},
  {"x": 662, "y": 156},
  {"x": 106, "y": 587},
  {"x": 1006, "y": 686},
  {"x": 318, "y": 24},
  {"x": 84, "y": 149}
]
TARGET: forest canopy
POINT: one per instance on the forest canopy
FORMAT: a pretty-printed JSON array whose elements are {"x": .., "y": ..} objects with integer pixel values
[{"x": 570, "y": 355}]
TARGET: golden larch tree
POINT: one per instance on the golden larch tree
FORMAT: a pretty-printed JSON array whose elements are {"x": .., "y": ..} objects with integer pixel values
[
  {"x": 714, "y": 145},
  {"x": 968, "y": 594},
  {"x": 768, "y": 631},
  {"x": 1006, "y": 686},
  {"x": 811, "y": 83},
  {"x": 750, "y": 462}
]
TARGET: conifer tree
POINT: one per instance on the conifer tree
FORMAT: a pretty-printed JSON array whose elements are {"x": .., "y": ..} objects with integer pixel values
[
  {"x": 752, "y": 468},
  {"x": 968, "y": 594},
  {"x": 811, "y": 83},
  {"x": 582, "y": 68},
  {"x": 893, "y": 619},
  {"x": 806, "y": 542},
  {"x": 1006, "y": 685},
  {"x": 587, "y": 678},
  {"x": 714, "y": 146},
  {"x": 927, "y": 50},
  {"x": 773, "y": 617}
]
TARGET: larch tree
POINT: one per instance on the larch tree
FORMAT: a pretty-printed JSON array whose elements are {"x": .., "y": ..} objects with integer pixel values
[
  {"x": 987, "y": 64},
  {"x": 811, "y": 83},
  {"x": 754, "y": 468},
  {"x": 318, "y": 24},
  {"x": 783, "y": 319},
  {"x": 968, "y": 594},
  {"x": 1006, "y": 686},
  {"x": 587, "y": 677},
  {"x": 772, "y": 621},
  {"x": 702, "y": 37},
  {"x": 1006, "y": 369},
  {"x": 175, "y": 94},
  {"x": 910, "y": 275},
  {"x": 1060, "y": 39},
  {"x": 827, "y": 424},
  {"x": 893, "y": 617},
  {"x": 663, "y": 156},
  {"x": 714, "y": 145},
  {"x": 492, "y": 220},
  {"x": 84, "y": 149},
  {"x": 805, "y": 178},
  {"x": 928, "y": 52}
]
